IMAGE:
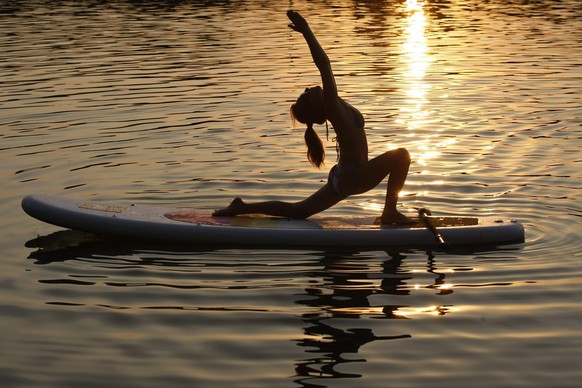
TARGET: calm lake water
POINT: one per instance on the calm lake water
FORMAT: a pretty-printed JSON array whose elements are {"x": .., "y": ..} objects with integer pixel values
[{"x": 185, "y": 103}]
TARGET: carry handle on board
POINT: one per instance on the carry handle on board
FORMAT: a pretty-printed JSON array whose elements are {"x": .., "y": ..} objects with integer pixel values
[{"x": 424, "y": 214}]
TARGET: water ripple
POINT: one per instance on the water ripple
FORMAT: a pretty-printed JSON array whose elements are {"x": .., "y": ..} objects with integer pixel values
[{"x": 185, "y": 103}]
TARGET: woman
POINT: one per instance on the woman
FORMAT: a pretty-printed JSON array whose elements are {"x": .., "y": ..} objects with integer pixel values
[{"x": 354, "y": 173}]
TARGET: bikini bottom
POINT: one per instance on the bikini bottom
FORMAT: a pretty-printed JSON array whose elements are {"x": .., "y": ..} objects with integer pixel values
[{"x": 337, "y": 172}]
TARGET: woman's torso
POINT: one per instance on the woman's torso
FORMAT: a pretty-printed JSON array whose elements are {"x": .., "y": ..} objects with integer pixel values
[{"x": 351, "y": 136}]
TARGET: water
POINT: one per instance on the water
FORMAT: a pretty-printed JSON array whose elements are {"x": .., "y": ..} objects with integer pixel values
[{"x": 186, "y": 104}]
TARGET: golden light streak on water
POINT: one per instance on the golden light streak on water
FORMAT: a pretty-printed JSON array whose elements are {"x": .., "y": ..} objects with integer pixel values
[
  {"x": 413, "y": 114},
  {"x": 416, "y": 57},
  {"x": 409, "y": 312}
]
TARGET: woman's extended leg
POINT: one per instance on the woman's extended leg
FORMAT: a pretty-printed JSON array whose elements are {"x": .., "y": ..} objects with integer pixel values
[{"x": 319, "y": 201}]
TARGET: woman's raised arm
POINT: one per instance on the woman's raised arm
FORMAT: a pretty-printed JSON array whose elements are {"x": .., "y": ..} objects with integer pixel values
[{"x": 299, "y": 24}]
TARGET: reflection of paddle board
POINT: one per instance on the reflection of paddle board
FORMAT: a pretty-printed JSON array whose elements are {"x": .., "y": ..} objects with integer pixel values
[{"x": 199, "y": 227}]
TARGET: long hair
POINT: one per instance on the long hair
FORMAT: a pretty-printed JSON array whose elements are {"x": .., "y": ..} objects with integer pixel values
[{"x": 315, "y": 150}]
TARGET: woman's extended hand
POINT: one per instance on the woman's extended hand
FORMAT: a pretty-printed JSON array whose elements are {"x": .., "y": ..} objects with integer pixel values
[{"x": 298, "y": 23}]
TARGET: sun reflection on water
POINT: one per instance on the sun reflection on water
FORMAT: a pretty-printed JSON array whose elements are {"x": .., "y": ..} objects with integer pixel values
[
  {"x": 410, "y": 312},
  {"x": 413, "y": 114},
  {"x": 425, "y": 144},
  {"x": 415, "y": 54}
]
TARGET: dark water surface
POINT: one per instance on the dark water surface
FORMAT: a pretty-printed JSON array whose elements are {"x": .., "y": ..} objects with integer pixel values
[{"x": 186, "y": 103}]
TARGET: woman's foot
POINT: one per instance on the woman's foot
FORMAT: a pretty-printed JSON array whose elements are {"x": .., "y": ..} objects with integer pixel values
[
  {"x": 397, "y": 218},
  {"x": 235, "y": 207}
]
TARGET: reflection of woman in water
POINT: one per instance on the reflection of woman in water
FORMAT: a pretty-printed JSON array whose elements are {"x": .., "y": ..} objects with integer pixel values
[{"x": 354, "y": 173}]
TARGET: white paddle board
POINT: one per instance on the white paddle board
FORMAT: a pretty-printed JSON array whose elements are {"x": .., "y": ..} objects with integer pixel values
[{"x": 175, "y": 225}]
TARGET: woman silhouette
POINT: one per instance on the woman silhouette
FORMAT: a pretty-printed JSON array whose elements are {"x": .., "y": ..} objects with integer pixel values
[{"x": 354, "y": 173}]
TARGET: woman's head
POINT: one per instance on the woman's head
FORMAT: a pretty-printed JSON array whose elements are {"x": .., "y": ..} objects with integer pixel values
[{"x": 308, "y": 109}]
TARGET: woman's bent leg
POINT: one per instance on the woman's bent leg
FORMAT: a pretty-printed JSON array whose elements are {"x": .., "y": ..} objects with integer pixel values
[{"x": 395, "y": 164}]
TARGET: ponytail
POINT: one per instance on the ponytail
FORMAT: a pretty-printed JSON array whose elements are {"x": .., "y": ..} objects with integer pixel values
[{"x": 315, "y": 151}]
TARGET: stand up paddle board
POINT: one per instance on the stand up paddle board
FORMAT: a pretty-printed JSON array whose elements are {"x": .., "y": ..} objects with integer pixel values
[{"x": 174, "y": 225}]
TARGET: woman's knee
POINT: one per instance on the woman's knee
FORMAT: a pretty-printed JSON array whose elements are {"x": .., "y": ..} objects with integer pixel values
[
  {"x": 402, "y": 155},
  {"x": 396, "y": 157}
]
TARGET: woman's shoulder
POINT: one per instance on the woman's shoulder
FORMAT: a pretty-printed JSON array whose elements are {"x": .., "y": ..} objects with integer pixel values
[{"x": 339, "y": 106}]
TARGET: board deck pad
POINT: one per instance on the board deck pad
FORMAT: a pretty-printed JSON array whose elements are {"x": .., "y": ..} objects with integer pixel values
[
  {"x": 261, "y": 221},
  {"x": 103, "y": 207}
]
